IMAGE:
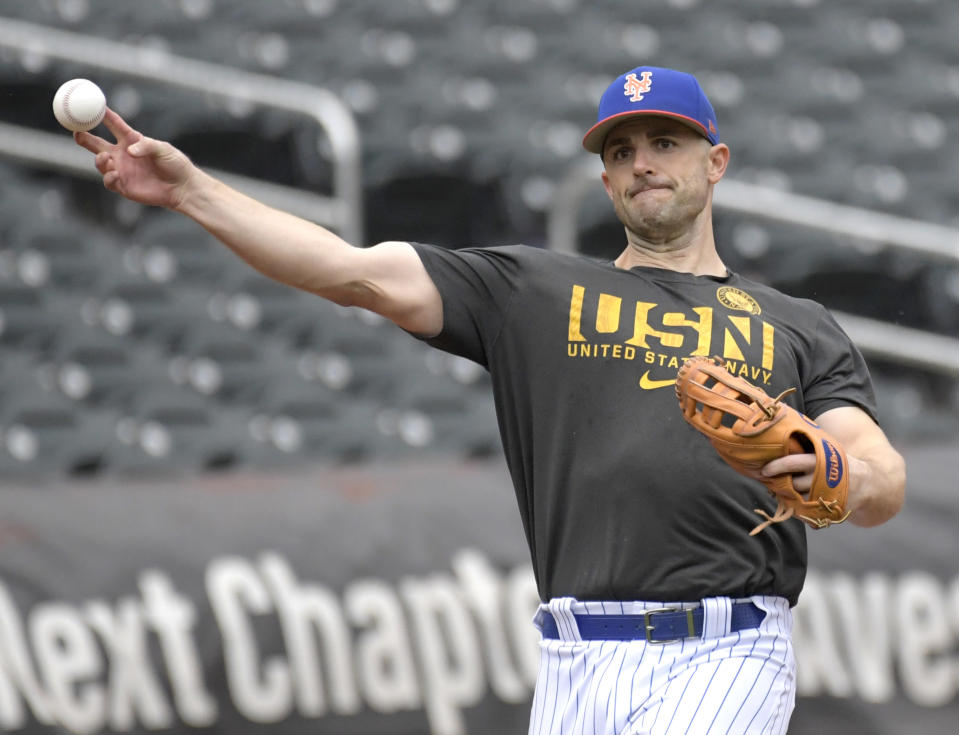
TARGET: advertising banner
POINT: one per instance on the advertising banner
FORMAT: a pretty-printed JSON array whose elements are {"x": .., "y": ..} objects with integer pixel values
[{"x": 397, "y": 600}]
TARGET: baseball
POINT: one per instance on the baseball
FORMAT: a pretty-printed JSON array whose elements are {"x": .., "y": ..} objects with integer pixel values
[{"x": 79, "y": 105}]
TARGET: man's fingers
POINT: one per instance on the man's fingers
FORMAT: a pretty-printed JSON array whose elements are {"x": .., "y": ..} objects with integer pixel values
[
  {"x": 124, "y": 134},
  {"x": 790, "y": 464},
  {"x": 800, "y": 466},
  {"x": 144, "y": 146},
  {"x": 103, "y": 161},
  {"x": 91, "y": 142}
]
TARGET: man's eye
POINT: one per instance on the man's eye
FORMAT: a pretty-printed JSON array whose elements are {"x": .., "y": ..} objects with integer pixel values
[{"x": 664, "y": 144}]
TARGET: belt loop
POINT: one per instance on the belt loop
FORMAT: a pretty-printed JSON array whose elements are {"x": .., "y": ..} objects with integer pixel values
[
  {"x": 561, "y": 608},
  {"x": 717, "y": 616}
]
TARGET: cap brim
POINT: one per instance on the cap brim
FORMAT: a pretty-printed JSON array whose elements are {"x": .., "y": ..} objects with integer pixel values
[{"x": 596, "y": 136}]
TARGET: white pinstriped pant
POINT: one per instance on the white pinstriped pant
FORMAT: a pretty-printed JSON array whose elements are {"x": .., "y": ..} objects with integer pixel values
[{"x": 723, "y": 683}]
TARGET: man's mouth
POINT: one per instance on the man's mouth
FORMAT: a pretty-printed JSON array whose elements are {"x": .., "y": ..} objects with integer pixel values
[{"x": 636, "y": 190}]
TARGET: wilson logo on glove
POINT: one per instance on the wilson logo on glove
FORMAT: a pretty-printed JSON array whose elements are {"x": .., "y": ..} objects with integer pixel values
[
  {"x": 749, "y": 429},
  {"x": 834, "y": 464}
]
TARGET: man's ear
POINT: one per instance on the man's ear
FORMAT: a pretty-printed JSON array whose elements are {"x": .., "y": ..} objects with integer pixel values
[
  {"x": 718, "y": 161},
  {"x": 606, "y": 185}
]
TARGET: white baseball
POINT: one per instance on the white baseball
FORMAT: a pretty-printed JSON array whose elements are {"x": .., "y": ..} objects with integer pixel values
[{"x": 79, "y": 105}]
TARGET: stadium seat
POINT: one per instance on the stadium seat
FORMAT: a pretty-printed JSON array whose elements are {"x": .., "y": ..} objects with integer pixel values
[
  {"x": 461, "y": 212},
  {"x": 32, "y": 319},
  {"x": 232, "y": 367},
  {"x": 470, "y": 113},
  {"x": 61, "y": 254},
  {"x": 197, "y": 256},
  {"x": 139, "y": 309},
  {"x": 296, "y": 422},
  {"x": 249, "y": 301},
  {"x": 309, "y": 329},
  {"x": 95, "y": 369},
  {"x": 430, "y": 415},
  {"x": 938, "y": 291},
  {"x": 44, "y": 435},
  {"x": 169, "y": 430}
]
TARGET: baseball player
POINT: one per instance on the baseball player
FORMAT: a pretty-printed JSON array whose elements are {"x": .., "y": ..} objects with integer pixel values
[{"x": 660, "y": 613}]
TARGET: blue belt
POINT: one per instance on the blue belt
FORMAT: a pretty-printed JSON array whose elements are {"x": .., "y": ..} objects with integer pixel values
[{"x": 662, "y": 625}]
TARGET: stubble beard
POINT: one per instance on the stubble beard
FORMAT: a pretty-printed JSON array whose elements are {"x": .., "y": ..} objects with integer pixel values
[{"x": 661, "y": 226}]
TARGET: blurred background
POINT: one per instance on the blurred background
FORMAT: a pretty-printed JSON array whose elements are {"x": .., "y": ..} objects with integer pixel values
[{"x": 136, "y": 352}]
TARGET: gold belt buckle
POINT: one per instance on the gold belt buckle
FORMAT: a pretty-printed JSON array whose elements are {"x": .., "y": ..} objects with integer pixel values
[{"x": 647, "y": 624}]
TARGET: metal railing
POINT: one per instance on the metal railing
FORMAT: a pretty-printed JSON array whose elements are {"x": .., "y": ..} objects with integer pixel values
[
  {"x": 343, "y": 211},
  {"x": 50, "y": 150},
  {"x": 906, "y": 346}
]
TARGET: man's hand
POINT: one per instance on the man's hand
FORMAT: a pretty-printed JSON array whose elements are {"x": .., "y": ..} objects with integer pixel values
[
  {"x": 800, "y": 467},
  {"x": 143, "y": 169}
]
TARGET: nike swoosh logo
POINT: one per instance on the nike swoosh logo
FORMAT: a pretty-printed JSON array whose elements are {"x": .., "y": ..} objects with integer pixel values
[{"x": 647, "y": 383}]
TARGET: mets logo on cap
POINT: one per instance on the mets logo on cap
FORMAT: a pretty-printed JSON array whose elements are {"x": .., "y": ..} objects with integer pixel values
[
  {"x": 636, "y": 87},
  {"x": 677, "y": 95}
]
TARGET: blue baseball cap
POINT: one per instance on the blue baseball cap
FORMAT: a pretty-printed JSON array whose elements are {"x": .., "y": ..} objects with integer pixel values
[{"x": 651, "y": 90}]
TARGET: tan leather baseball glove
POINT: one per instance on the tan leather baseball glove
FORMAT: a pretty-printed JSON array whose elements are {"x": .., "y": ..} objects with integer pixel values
[{"x": 749, "y": 429}]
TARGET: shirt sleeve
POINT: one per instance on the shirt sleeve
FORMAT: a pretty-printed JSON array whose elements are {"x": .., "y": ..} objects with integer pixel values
[
  {"x": 477, "y": 286},
  {"x": 839, "y": 375}
]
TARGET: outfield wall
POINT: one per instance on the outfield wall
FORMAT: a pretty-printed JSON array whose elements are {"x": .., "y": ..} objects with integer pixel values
[{"x": 398, "y": 600}]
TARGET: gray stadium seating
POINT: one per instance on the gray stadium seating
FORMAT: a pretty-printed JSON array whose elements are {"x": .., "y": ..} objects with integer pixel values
[{"x": 470, "y": 113}]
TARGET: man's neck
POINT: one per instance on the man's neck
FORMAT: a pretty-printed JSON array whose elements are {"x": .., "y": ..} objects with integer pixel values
[{"x": 701, "y": 260}]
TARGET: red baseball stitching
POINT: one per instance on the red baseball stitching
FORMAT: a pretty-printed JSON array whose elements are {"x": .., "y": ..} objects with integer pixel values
[{"x": 66, "y": 106}]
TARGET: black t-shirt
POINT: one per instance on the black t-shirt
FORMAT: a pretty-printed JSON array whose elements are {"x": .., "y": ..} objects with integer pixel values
[{"x": 619, "y": 497}]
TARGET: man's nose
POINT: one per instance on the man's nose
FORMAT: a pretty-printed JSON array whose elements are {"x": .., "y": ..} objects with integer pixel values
[{"x": 642, "y": 162}]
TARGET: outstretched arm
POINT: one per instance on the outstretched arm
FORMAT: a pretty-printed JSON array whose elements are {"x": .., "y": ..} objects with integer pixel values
[{"x": 388, "y": 278}]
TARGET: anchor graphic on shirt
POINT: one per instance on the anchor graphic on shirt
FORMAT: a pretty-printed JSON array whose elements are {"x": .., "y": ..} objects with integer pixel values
[{"x": 635, "y": 87}]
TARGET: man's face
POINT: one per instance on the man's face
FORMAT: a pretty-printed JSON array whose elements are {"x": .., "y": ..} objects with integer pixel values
[{"x": 658, "y": 175}]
